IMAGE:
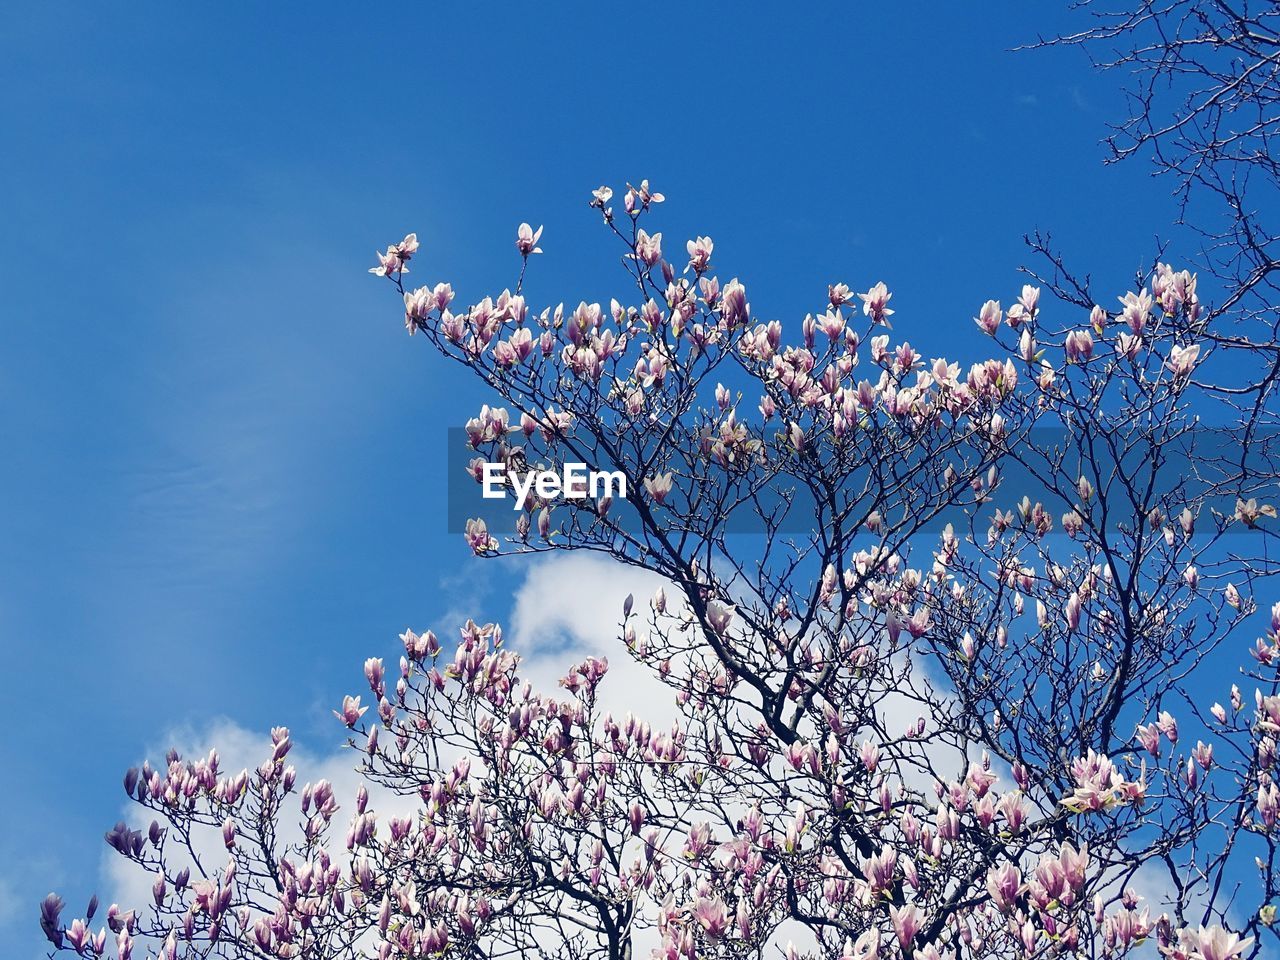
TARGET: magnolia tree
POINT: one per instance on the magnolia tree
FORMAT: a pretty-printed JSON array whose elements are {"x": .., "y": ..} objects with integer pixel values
[
  {"x": 948, "y": 647},
  {"x": 967, "y": 660}
]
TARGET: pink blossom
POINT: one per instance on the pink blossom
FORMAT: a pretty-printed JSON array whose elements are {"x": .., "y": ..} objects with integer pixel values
[
  {"x": 397, "y": 257},
  {"x": 659, "y": 486},
  {"x": 1217, "y": 943},
  {"x": 699, "y": 254},
  {"x": 351, "y": 711},
  {"x": 989, "y": 317},
  {"x": 712, "y": 916},
  {"x": 478, "y": 538},
  {"x": 527, "y": 240},
  {"x": 1183, "y": 359},
  {"x": 906, "y": 922},
  {"x": 875, "y": 303}
]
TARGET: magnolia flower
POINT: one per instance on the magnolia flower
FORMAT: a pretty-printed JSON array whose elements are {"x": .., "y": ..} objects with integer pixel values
[
  {"x": 1183, "y": 359},
  {"x": 1079, "y": 345},
  {"x": 527, "y": 240},
  {"x": 867, "y": 946},
  {"x": 1128, "y": 345},
  {"x": 1137, "y": 307},
  {"x": 988, "y": 319},
  {"x": 719, "y": 616},
  {"x": 874, "y": 303},
  {"x": 643, "y": 195},
  {"x": 712, "y": 916},
  {"x": 734, "y": 309},
  {"x": 1073, "y": 611},
  {"x": 906, "y": 922},
  {"x": 1099, "y": 786},
  {"x": 396, "y": 257},
  {"x": 351, "y": 711},
  {"x": 1216, "y": 943},
  {"x": 1203, "y": 754},
  {"x": 832, "y": 325},
  {"x": 839, "y": 294},
  {"x": 1268, "y": 804},
  {"x": 699, "y": 254},
  {"x": 795, "y": 436},
  {"x": 919, "y": 622},
  {"x": 388, "y": 263},
  {"x": 659, "y": 486},
  {"x": 1149, "y": 737},
  {"x": 417, "y": 305},
  {"x": 78, "y": 934},
  {"x": 477, "y": 537},
  {"x": 1249, "y": 511},
  {"x": 50, "y": 910},
  {"x": 648, "y": 248},
  {"x": 1027, "y": 346},
  {"x": 1004, "y": 883}
]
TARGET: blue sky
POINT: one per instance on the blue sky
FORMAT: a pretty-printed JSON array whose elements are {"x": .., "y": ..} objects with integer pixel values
[{"x": 225, "y": 459}]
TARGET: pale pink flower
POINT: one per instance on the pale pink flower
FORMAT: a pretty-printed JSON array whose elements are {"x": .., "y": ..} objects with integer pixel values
[
  {"x": 648, "y": 248},
  {"x": 478, "y": 538},
  {"x": 1128, "y": 345},
  {"x": 642, "y": 196},
  {"x": 712, "y": 916},
  {"x": 527, "y": 240},
  {"x": 1217, "y": 943},
  {"x": 659, "y": 486},
  {"x": 1136, "y": 310},
  {"x": 839, "y": 294},
  {"x": 988, "y": 319},
  {"x": 351, "y": 711},
  {"x": 1027, "y": 346},
  {"x": 1079, "y": 345},
  {"x": 875, "y": 303},
  {"x": 1183, "y": 359},
  {"x": 1249, "y": 511},
  {"x": 699, "y": 254},
  {"x": 397, "y": 257},
  {"x": 1004, "y": 883},
  {"x": 719, "y": 616},
  {"x": 906, "y": 923},
  {"x": 832, "y": 324}
]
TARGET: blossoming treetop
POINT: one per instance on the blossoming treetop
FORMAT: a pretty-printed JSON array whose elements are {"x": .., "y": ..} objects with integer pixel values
[{"x": 919, "y": 716}]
